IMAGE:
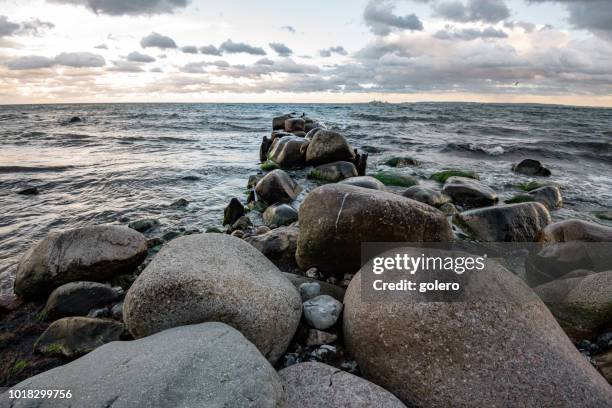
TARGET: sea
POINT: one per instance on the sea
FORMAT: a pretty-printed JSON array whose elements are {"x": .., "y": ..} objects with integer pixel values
[{"x": 124, "y": 162}]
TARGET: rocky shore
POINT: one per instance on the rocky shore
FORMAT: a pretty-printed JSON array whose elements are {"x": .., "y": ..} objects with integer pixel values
[{"x": 266, "y": 310}]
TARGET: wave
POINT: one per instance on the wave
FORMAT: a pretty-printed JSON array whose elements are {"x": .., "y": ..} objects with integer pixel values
[
  {"x": 490, "y": 150},
  {"x": 32, "y": 169}
]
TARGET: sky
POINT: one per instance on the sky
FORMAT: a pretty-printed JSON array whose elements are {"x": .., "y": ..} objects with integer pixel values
[{"x": 540, "y": 51}]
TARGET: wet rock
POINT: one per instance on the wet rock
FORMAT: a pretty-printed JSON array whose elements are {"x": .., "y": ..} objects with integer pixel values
[
  {"x": 28, "y": 191},
  {"x": 444, "y": 175},
  {"x": 335, "y": 219},
  {"x": 74, "y": 336},
  {"x": 531, "y": 167},
  {"x": 319, "y": 338},
  {"x": 314, "y": 384},
  {"x": 77, "y": 299},
  {"x": 99, "y": 313},
  {"x": 277, "y": 187},
  {"x": 144, "y": 225},
  {"x": 280, "y": 215},
  {"x": 427, "y": 195},
  {"x": 180, "y": 203},
  {"x": 278, "y": 245},
  {"x": 264, "y": 148},
  {"x": 326, "y": 289},
  {"x": 208, "y": 365},
  {"x": 238, "y": 234},
  {"x": 327, "y": 146},
  {"x": 550, "y": 196},
  {"x": 309, "y": 290},
  {"x": 243, "y": 223},
  {"x": 191, "y": 177},
  {"x": 469, "y": 193},
  {"x": 333, "y": 172},
  {"x": 278, "y": 123},
  {"x": 289, "y": 152},
  {"x": 253, "y": 180},
  {"x": 75, "y": 119},
  {"x": 215, "y": 277},
  {"x": 171, "y": 234},
  {"x": 389, "y": 178},
  {"x": 233, "y": 211},
  {"x": 322, "y": 312},
  {"x": 451, "y": 344},
  {"x": 576, "y": 230},
  {"x": 294, "y": 125},
  {"x": 365, "y": 182},
  {"x": 262, "y": 229},
  {"x": 361, "y": 162},
  {"x": 505, "y": 223},
  {"x": 449, "y": 209},
  {"x": 402, "y": 161},
  {"x": 117, "y": 311},
  {"x": 581, "y": 305},
  {"x": 85, "y": 254}
]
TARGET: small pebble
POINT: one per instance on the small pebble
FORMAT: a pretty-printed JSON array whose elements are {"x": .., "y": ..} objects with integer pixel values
[
  {"x": 313, "y": 273},
  {"x": 319, "y": 338},
  {"x": 322, "y": 312},
  {"x": 325, "y": 353}
]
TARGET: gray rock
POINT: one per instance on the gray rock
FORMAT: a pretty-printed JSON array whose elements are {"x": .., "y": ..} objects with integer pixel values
[
  {"x": 144, "y": 225},
  {"x": 309, "y": 290},
  {"x": 278, "y": 245},
  {"x": 180, "y": 203},
  {"x": 28, "y": 191},
  {"x": 289, "y": 152},
  {"x": 448, "y": 209},
  {"x": 319, "y": 338},
  {"x": 425, "y": 352},
  {"x": 215, "y": 277},
  {"x": 279, "y": 215},
  {"x": 204, "y": 365},
  {"x": 333, "y": 172},
  {"x": 77, "y": 299},
  {"x": 294, "y": 125},
  {"x": 320, "y": 385},
  {"x": 550, "y": 196},
  {"x": 277, "y": 187},
  {"x": 99, "y": 313},
  {"x": 74, "y": 336},
  {"x": 322, "y": 312},
  {"x": 117, "y": 311},
  {"x": 505, "y": 223},
  {"x": 278, "y": 123},
  {"x": 427, "y": 195},
  {"x": 327, "y": 146},
  {"x": 365, "y": 182},
  {"x": 531, "y": 167},
  {"x": 469, "y": 193},
  {"x": 335, "y": 219},
  {"x": 576, "y": 230},
  {"x": 84, "y": 254},
  {"x": 326, "y": 288},
  {"x": 233, "y": 212},
  {"x": 242, "y": 223}
]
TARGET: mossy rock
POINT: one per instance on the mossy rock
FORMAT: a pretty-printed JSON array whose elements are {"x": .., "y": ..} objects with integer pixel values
[
  {"x": 395, "y": 179},
  {"x": 258, "y": 206},
  {"x": 530, "y": 185},
  {"x": 402, "y": 162},
  {"x": 18, "y": 367},
  {"x": 604, "y": 215},
  {"x": 444, "y": 175},
  {"x": 521, "y": 198},
  {"x": 270, "y": 165}
]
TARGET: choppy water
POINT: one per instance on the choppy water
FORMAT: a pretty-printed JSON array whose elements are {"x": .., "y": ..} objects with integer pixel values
[{"x": 129, "y": 161}]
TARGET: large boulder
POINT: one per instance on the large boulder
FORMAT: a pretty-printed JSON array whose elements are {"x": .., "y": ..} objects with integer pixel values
[
  {"x": 319, "y": 385},
  {"x": 582, "y": 305},
  {"x": 499, "y": 346},
  {"x": 469, "y": 193},
  {"x": 335, "y": 219},
  {"x": 278, "y": 245},
  {"x": 294, "y": 125},
  {"x": 77, "y": 299},
  {"x": 365, "y": 182},
  {"x": 531, "y": 167},
  {"x": 327, "y": 146},
  {"x": 550, "y": 196},
  {"x": 74, "y": 336},
  {"x": 277, "y": 187},
  {"x": 333, "y": 172},
  {"x": 567, "y": 246},
  {"x": 204, "y": 365},
  {"x": 289, "y": 152},
  {"x": 278, "y": 122},
  {"x": 427, "y": 195},
  {"x": 215, "y": 277},
  {"x": 84, "y": 254},
  {"x": 505, "y": 223}
]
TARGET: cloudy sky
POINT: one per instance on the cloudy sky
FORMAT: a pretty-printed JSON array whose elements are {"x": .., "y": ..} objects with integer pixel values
[{"x": 550, "y": 51}]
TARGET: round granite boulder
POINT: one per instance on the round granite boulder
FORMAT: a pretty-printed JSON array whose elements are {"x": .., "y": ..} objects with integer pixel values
[
  {"x": 327, "y": 146},
  {"x": 215, "y": 277}
]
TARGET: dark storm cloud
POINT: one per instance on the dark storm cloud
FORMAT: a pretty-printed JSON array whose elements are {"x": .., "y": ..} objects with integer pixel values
[
  {"x": 129, "y": 7},
  {"x": 488, "y": 11},
  {"x": 379, "y": 16},
  {"x": 138, "y": 57},
  {"x": 593, "y": 15},
  {"x": 210, "y": 50},
  {"x": 281, "y": 49},
  {"x": 231, "y": 47},
  {"x": 157, "y": 40},
  {"x": 327, "y": 52}
]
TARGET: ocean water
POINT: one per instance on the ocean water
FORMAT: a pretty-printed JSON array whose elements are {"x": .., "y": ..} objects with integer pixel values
[{"x": 129, "y": 161}]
